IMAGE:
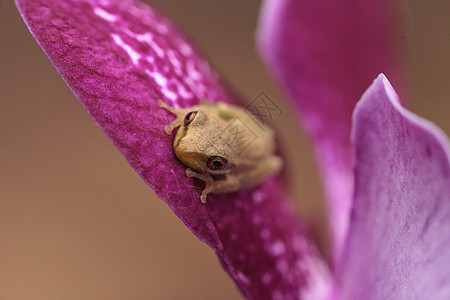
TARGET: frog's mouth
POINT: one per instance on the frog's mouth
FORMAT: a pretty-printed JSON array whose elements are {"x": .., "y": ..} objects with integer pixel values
[
  {"x": 220, "y": 174},
  {"x": 181, "y": 133},
  {"x": 176, "y": 142},
  {"x": 190, "y": 160}
]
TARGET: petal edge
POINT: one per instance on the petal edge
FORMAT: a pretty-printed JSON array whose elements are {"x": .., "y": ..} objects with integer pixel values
[{"x": 399, "y": 238}]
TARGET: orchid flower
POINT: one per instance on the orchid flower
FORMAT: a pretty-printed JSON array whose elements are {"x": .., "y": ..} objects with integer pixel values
[{"x": 386, "y": 171}]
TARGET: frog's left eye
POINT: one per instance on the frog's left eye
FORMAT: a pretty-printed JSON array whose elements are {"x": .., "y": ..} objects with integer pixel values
[
  {"x": 189, "y": 117},
  {"x": 217, "y": 163}
]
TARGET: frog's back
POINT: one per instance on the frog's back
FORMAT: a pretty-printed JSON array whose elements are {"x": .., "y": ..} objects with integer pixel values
[{"x": 245, "y": 135}]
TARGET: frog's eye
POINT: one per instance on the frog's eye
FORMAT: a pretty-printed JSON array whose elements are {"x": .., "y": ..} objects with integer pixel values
[
  {"x": 217, "y": 163},
  {"x": 189, "y": 117}
]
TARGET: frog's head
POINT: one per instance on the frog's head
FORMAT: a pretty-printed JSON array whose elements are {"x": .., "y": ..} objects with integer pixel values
[{"x": 199, "y": 146}]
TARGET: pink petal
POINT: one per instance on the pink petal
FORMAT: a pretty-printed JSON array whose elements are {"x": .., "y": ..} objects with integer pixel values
[
  {"x": 325, "y": 54},
  {"x": 119, "y": 57},
  {"x": 399, "y": 237}
]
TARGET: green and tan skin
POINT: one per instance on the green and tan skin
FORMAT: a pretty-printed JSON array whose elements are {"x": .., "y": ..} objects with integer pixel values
[{"x": 222, "y": 145}]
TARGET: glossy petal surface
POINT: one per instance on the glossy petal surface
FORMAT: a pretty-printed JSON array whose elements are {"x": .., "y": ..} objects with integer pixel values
[
  {"x": 119, "y": 57},
  {"x": 325, "y": 54},
  {"x": 399, "y": 236}
]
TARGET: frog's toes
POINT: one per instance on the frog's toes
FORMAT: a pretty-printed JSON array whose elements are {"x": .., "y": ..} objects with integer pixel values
[
  {"x": 169, "y": 128},
  {"x": 203, "y": 198},
  {"x": 163, "y": 104},
  {"x": 206, "y": 178},
  {"x": 190, "y": 172}
]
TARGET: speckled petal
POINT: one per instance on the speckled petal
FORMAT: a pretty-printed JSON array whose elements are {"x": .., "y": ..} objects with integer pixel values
[
  {"x": 326, "y": 54},
  {"x": 399, "y": 237},
  {"x": 269, "y": 250},
  {"x": 119, "y": 57}
]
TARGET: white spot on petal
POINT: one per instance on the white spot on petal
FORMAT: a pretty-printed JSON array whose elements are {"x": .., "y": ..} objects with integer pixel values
[
  {"x": 185, "y": 49},
  {"x": 258, "y": 197},
  {"x": 243, "y": 278},
  {"x": 184, "y": 93},
  {"x": 128, "y": 49},
  {"x": 105, "y": 15},
  {"x": 162, "y": 28},
  {"x": 192, "y": 71},
  {"x": 169, "y": 94},
  {"x": 159, "y": 51},
  {"x": 160, "y": 79},
  {"x": 278, "y": 247},
  {"x": 174, "y": 60}
]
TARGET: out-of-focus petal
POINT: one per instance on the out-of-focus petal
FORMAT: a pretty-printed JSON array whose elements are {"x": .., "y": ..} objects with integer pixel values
[
  {"x": 399, "y": 237},
  {"x": 325, "y": 54},
  {"x": 272, "y": 257},
  {"x": 119, "y": 57}
]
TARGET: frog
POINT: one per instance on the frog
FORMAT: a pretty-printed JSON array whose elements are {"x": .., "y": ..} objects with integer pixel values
[{"x": 223, "y": 145}]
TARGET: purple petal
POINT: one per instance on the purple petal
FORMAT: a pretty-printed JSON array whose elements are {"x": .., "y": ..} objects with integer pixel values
[
  {"x": 119, "y": 57},
  {"x": 325, "y": 54},
  {"x": 399, "y": 237}
]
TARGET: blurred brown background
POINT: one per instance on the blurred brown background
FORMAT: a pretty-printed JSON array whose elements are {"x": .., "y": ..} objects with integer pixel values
[{"x": 76, "y": 222}]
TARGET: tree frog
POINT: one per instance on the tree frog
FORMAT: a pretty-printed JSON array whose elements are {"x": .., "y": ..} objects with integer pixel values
[{"x": 223, "y": 145}]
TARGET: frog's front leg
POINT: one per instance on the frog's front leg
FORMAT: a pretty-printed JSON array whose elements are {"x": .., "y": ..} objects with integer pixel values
[
  {"x": 179, "y": 112},
  {"x": 206, "y": 178},
  {"x": 229, "y": 184}
]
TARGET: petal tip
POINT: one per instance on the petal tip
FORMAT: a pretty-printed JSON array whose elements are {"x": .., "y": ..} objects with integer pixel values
[{"x": 382, "y": 90}]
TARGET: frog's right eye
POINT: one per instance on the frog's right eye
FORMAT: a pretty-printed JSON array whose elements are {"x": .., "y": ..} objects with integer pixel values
[
  {"x": 217, "y": 162},
  {"x": 189, "y": 117}
]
